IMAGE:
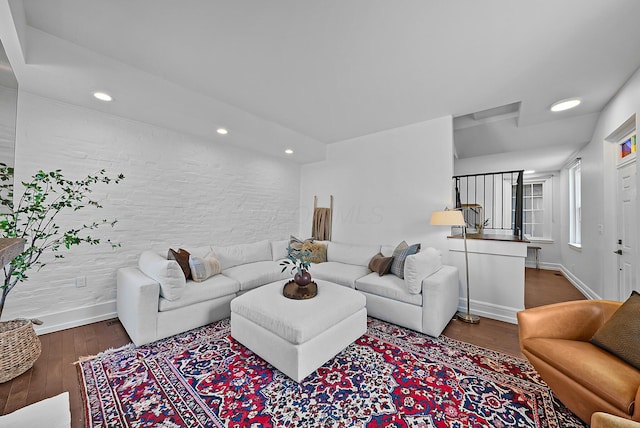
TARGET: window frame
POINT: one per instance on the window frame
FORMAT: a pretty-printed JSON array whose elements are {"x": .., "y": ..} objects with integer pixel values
[{"x": 547, "y": 208}]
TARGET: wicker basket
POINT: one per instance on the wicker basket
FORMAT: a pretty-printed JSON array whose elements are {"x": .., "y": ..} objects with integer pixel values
[{"x": 19, "y": 348}]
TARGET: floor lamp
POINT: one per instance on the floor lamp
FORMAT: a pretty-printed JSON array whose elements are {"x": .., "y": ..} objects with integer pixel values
[{"x": 455, "y": 218}]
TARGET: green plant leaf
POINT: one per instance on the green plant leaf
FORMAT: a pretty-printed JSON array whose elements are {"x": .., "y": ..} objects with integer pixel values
[{"x": 34, "y": 216}]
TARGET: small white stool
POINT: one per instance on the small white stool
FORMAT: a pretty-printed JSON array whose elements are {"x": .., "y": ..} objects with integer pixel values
[
  {"x": 298, "y": 336},
  {"x": 536, "y": 251}
]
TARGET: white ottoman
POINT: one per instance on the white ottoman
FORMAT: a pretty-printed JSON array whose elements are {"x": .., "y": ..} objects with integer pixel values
[{"x": 298, "y": 336}]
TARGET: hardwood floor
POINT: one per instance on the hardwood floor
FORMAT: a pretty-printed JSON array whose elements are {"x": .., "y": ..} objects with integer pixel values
[
  {"x": 546, "y": 286},
  {"x": 55, "y": 371}
]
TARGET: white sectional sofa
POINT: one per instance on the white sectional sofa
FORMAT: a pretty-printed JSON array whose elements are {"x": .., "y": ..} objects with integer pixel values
[{"x": 155, "y": 301}]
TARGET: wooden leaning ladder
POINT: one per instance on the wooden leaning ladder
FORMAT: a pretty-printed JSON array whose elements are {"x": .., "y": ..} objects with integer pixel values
[{"x": 322, "y": 221}]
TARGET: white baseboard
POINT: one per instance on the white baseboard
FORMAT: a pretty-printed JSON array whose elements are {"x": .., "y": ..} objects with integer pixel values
[
  {"x": 490, "y": 310},
  {"x": 544, "y": 266},
  {"x": 581, "y": 286},
  {"x": 551, "y": 266},
  {"x": 76, "y": 317}
]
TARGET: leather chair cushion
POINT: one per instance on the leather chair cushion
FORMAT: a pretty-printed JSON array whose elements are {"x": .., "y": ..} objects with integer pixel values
[{"x": 596, "y": 369}]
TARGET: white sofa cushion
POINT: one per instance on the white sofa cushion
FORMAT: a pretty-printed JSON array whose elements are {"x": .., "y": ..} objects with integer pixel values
[
  {"x": 419, "y": 266},
  {"x": 339, "y": 273},
  {"x": 291, "y": 319},
  {"x": 196, "y": 292},
  {"x": 252, "y": 275},
  {"x": 389, "y": 286},
  {"x": 279, "y": 249},
  {"x": 167, "y": 273},
  {"x": 351, "y": 254},
  {"x": 235, "y": 255}
]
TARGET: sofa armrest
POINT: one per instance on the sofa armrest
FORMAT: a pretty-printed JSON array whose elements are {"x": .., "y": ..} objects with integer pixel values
[
  {"x": 576, "y": 320},
  {"x": 137, "y": 304},
  {"x": 440, "y": 295},
  {"x": 605, "y": 420}
]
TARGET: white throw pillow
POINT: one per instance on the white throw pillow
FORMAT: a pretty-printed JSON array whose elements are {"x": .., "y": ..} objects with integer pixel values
[
  {"x": 203, "y": 267},
  {"x": 235, "y": 255},
  {"x": 419, "y": 266},
  {"x": 167, "y": 273}
]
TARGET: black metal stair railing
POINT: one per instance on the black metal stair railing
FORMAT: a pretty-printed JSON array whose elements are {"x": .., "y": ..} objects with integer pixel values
[{"x": 491, "y": 202}]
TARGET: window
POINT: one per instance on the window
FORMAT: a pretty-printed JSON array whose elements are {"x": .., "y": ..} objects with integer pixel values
[
  {"x": 575, "y": 205},
  {"x": 628, "y": 147},
  {"x": 536, "y": 201}
]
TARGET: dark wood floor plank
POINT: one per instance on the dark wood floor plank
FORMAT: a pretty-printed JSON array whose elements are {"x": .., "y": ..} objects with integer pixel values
[
  {"x": 5, "y": 390},
  {"x": 68, "y": 358},
  {"x": 19, "y": 390},
  {"x": 91, "y": 339},
  {"x": 53, "y": 384},
  {"x": 55, "y": 373},
  {"x": 80, "y": 343},
  {"x": 39, "y": 372},
  {"x": 69, "y": 375}
]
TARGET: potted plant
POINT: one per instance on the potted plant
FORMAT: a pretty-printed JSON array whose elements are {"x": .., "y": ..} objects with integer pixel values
[
  {"x": 33, "y": 219},
  {"x": 297, "y": 262},
  {"x": 480, "y": 226}
]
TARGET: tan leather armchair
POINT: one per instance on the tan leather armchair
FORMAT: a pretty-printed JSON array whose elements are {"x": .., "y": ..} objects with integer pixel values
[{"x": 586, "y": 378}]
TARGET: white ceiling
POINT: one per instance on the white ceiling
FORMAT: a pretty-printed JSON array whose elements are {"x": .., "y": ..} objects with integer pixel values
[{"x": 286, "y": 73}]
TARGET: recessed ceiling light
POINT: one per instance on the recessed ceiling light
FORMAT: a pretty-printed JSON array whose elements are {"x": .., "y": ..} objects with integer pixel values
[
  {"x": 103, "y": 96},
  {"x": 529, "y": 171},
  {"x": 222, "y": 131},
  {"x": 289, "y": 151},
  {"x": 567, "y": 104}
]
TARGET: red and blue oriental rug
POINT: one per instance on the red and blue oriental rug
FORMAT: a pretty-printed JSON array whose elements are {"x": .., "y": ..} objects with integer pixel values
[{"x": 390, "y": 377}]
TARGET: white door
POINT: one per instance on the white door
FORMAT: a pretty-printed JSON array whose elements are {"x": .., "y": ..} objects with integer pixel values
[{"x": 627, "y": 245}]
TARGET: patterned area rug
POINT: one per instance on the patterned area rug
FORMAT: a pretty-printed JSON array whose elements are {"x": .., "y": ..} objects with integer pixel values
[{"x": 390, "y": 377}]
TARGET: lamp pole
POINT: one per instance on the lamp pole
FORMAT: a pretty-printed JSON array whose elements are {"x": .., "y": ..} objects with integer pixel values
[{"x": 467, "y": 317}]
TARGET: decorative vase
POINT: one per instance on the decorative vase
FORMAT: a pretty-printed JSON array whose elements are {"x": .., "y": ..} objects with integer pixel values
[
  {"x": 19, "y": 348},
  {"x": 302, "y": 280}
]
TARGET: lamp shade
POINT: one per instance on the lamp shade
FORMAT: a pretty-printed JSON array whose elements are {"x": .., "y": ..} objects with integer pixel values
[{"x": 447, "y": 218}]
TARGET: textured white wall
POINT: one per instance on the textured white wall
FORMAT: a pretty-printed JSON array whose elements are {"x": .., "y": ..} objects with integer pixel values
[
  {"x": 385, "y": 185},
  {"x": 8, "y": 99},
  {"x": 179, "y": 190}
]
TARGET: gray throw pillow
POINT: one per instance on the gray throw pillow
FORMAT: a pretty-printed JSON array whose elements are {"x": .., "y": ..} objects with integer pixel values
[
  {"x": 620, "y": 335},
  {"x": 400, "y": 254}
]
